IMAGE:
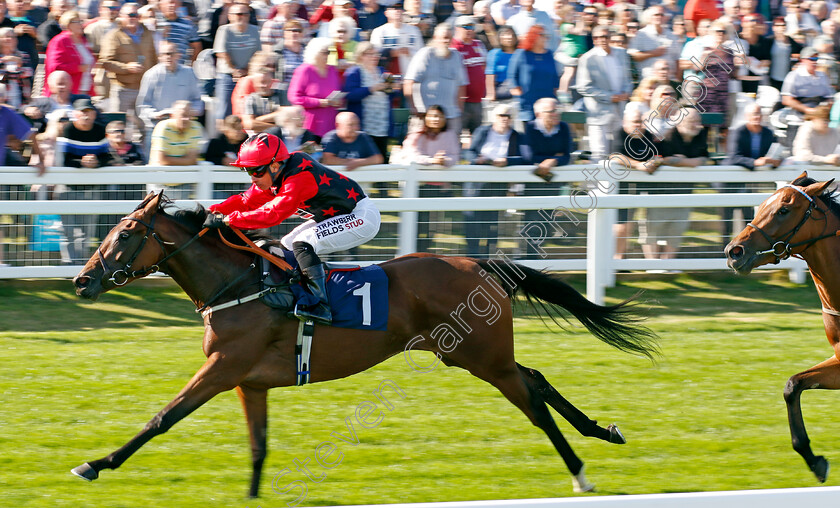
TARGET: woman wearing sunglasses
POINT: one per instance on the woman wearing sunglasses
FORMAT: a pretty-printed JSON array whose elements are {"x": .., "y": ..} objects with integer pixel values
[{"x": 338, "y": 214}]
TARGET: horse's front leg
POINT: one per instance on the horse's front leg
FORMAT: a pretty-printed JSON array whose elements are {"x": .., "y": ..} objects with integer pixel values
[
  {"x": 222, "y": 371},
  {"x": 824, "y": 375}
]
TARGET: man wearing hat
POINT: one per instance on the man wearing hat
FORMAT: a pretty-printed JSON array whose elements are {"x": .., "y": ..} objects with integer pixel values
[
  {"x": 805, "y": 87},
  {"x": 397, "y": 41},
  {"x": 474, "y": 56},
  {"x": 82, "y": 144}
]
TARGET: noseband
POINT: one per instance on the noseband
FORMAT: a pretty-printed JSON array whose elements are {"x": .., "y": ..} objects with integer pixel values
[
  {"x": 782, "y": 248},
  {"x": 123, "y": 275}
]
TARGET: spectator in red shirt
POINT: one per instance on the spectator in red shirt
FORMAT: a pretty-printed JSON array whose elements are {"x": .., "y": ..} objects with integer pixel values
[
  {"x": 475, "y": 60},
  {"x": 329, "y": 10},
  {"x": 69, "y": 51},
  {"x": 696, "y": 10}
]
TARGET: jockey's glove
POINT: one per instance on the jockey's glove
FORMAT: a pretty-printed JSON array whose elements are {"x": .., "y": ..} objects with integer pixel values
[{"x": 214, "y": 220}]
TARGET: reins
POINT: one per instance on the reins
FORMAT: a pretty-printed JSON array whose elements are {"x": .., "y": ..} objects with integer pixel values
[
  {"x": 252, "y": 247},
  {"x": 782, "y": 248}
]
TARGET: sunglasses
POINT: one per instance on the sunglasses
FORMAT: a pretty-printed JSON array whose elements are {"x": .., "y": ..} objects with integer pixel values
[
  {"x": 133, "y": 15},
  {"x": 295, "y": 30},
  {"x": 503, "y": 115},
  {"x": 812, "y": 58},
  {"x": 117, "y": 131},
  {"x": 258, "y": 171},
  {"x": 238, "y": 13},
  {"x": 468, "y": 27}
]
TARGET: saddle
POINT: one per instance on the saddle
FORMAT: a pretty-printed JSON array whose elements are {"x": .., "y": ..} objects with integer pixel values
[
  {"x": 289, "y": 288},
  {"x": 358, "y": 296}
]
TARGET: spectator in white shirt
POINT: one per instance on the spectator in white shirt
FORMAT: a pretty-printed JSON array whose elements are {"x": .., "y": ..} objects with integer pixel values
[
  {"x": 653, "y": 42},
  {"x": 396, "y": 41}
]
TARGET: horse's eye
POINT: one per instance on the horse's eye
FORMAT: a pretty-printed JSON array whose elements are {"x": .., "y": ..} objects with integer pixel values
[
  {"x": 783, "y": 210},
  {"x": 124, "y": 235}
]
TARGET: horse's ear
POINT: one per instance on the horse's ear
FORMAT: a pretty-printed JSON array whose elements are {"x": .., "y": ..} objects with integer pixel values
[
  {"x": 145, "y": 201},
  {"x": 153, "y": 203},
  {"x": 816, "y": 189},
  {"x": 800, "y": 177}
]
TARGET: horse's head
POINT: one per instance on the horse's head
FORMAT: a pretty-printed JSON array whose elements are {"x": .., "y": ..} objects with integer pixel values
[
  {"x": 781, "y": 226},
  {"x": 131, "y": 243}
]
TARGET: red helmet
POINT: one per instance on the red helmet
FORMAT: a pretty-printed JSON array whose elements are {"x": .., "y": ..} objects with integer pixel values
[{"x": 259, "y": 150}]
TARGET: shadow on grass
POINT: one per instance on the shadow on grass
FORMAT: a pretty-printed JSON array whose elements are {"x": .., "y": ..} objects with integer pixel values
[{"x": 52, "y": 305}]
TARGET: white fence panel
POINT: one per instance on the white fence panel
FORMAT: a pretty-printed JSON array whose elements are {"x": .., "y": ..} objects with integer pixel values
[{"x": 598, "y": 260}]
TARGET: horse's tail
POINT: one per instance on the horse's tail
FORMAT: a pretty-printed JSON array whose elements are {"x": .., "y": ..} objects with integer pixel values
[{"x": 615, "y": 325}]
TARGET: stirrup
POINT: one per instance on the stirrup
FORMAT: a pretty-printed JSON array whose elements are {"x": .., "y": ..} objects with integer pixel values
[{"x": 319, "y": 313}]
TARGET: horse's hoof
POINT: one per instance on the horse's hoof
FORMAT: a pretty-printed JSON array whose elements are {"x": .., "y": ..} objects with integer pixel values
[
  {"x": 615, "y": 435},
  {"x": 85, "y": 472},
  {"x": 820, "y": 468},
  {"x": 580, "y": 484}
]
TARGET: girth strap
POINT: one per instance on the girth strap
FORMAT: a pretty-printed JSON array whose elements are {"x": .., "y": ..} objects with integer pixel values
[{"x": 303, "y": 348}]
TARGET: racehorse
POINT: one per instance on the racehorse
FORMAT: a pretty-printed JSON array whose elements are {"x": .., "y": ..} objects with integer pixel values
[
  {"x": 251, "y": 347},
  {"x": 801, "y": 219}
]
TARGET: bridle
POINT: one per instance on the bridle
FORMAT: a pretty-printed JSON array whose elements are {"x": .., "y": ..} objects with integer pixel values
[
  {"x": 782, "y": 248},
  {"x": 123, "y": 275}
]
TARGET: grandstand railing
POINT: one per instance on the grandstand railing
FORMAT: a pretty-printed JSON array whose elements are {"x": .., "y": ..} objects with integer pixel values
[{"x": 597, "y": 261}]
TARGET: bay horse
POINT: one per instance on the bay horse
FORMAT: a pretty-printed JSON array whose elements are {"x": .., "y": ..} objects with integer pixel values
[
  {"x": 801, "y": 219},
  {"x": 251, "y": 347}
]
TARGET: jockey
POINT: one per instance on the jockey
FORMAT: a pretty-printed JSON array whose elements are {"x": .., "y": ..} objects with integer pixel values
[{"x": 340, "y": 215}]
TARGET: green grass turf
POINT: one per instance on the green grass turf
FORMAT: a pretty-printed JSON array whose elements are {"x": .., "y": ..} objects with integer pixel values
[{"x": 79, "y": 379}]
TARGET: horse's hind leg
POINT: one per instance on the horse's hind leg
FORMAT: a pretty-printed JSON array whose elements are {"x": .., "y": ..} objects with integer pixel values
[
  {"x": 589, "y": 428},
  {"x": 824, "y": 375},
  {"x": 255, "y": 404},
  {"x": 513, "y": 386}
]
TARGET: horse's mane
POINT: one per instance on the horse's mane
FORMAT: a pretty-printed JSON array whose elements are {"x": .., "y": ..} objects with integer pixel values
[
  {"x": 193, "y": 220},
  {"x": 828, "y": 197}
]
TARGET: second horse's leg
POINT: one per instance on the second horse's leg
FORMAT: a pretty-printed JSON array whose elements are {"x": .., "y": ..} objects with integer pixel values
[
  {"x": 824, "y": 375},
  {"x": 573, "y": 415}
]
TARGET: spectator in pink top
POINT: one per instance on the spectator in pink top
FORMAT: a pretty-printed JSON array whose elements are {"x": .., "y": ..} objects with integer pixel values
[
  {"x": 311, "y": 85},
  {"x": 69, "y": 51}
]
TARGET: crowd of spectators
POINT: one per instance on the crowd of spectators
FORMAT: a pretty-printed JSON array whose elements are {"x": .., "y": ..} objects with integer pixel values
[{"x": 484, "y": 83}]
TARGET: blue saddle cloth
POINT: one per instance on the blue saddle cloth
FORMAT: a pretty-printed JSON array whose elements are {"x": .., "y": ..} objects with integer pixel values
[{"x": 358, "y": 295}]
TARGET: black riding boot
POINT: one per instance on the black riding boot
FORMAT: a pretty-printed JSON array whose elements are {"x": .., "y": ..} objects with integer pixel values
[{"x": 313, "y": 269}]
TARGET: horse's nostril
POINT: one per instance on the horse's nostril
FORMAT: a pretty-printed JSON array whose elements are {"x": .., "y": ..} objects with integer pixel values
[
  {"x": 81, "y": 281},
  {"x": 736, "y": 252}
]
